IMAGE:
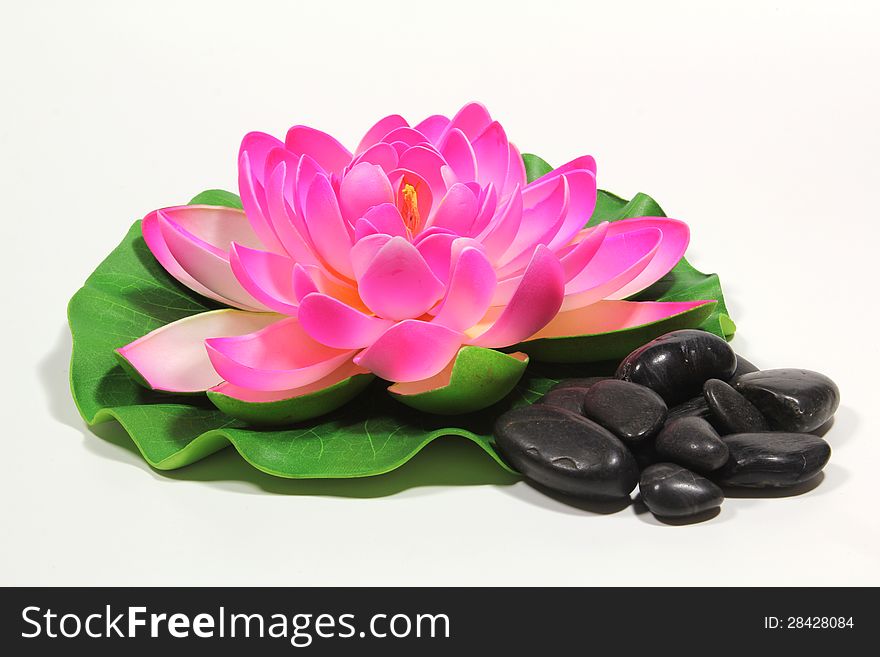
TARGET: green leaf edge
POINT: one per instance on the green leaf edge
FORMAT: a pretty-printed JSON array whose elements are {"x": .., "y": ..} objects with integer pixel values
[
  {"x": 293, "y": 410},
  {"x": 484, "y": 391}
]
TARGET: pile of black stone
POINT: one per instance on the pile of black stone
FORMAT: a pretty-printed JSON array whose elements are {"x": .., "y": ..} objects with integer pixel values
[{"x": 683, "y": 417}]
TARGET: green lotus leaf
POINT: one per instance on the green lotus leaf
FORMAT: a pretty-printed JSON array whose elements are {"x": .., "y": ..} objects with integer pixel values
[
  {"x": 476, "y": 379},
  {"x": 303, "y": 407},
  {"x": 535, "y": 166}
]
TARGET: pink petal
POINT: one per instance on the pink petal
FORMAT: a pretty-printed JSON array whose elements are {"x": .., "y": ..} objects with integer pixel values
[
  {"x": 343, "y": 372},
  {"x": 266, "y": 276},
  {"x": 335, "y": 324},
  {"x": 363, "y": 228},
  {"x": 285, "y": 223},
  {"x": 516, "y": 171},
  {"x": 278, "y": 357},
  {"x": 459, "y": 154},
  {"x": 673, "y": 244},
  {"x": 258, "y": 146},
  {"x": 433, "y": 127},
  {"x": 472, "y": 120},
  {"x": 324, "y": 149},
  {"x": 619, "y": 260},
  {"x": 492, "y": 154},
  {"x": 457, "y": 210},
  {"x": 364, "y": 252},
  {"x": 253, "y": 199},
  {"x": 488, "y": 206},
  {"x": 535, "y": 302},
  {"x": 436, "y": 249},
  {"x": 581, "y": 203},
  {"x": 364, "y": 186},
  {"x": 607, "y": 316},
  {"x": 583, "y": 162},
  {"x": 199, "y": 263},
  {"x": 381, "y": 154},
  {"x": 398, "y": 284},
  {"x": 173, "y": 357},
  {"x": 579, "y": 254},
  {"x": 544, "y": 210},
  {"x": 499, "y": 234},
  {"x": 386, "y": 218},
  {"x": 411, "y": 350},
  {"x": 303, "y": 283},
  {"x": 469, "y": 292},
  {"x": 381, "y": 128},
  {"x": 408, "y": 136},
  {"x": 327, "y": 227},
  {"x": 428, "y": 164}
]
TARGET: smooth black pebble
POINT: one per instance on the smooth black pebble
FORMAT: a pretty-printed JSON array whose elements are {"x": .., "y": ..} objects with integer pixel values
[
  {"x": 731, "y": 412},
  {"x": 571, "y": 399},
  {"x": 791, "y": 399},
  {"x": 695, "y": 407},
  {"x": 584, "y": 383},
  {"x": 672, "y": 491},
  {"x": 772, "y": 460},
  {"x": 677, "y": 364},
  {"x": 565, "y": 452},
  {"x": 632, "y": 412},
  {"x": 742, "y": 367},
  {"x": 693, "y": 443}
]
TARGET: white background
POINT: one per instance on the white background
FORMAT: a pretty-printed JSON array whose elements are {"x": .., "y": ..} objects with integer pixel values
[{"x": 755, "y": 122}]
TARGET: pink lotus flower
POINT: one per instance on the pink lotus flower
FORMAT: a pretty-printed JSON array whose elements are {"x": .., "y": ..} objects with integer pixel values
[{"x": 390, "y": 258}]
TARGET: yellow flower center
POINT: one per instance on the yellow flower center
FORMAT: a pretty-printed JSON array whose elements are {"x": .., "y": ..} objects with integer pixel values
[{"x": 410, "y": 209}]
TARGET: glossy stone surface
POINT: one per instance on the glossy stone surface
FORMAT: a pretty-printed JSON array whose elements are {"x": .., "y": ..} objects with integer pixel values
[
  {"x": 571, "y": 399},
  {"x": 677, "y": 364},
  {"x": 731, "y": 412},
  {"x": 791, "y": 399},
  {"x": 693, "y": 443},
  {"x": 672, "y": 491},
  {"x": 694, "y": 407},
  {"x": 742, "y": 367},
  {"x": 565, "y": 452},
  {"x": 583, "y": 382},
  {"x": 631, "y": 412},
  {"x": 772, "y": 460}
]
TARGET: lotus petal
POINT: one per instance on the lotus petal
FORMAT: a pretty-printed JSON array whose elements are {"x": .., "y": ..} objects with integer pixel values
[
  {"x": 410, "y": 350},
  {"x": 327, "y": 227},
  {"x": 536, "y": 301},
  {"x": 281, "y": 356},
  {"x": 363, "y": 187},
  {"x": 457, "y": 210},
  {"x": 173, "y": 357},
  {"x": 469, "y": 292},
  {"x": 673, "y": 244},
  {"x": 398, "y": 283},
  {"x": 267, "y": 277},
  {"x": 204, "y": 262},
  {"x": 433, "y": 127},
  {"x": 381, "y": 128},
  {"x": 335, "y": 324},
  {"x": 321, "y": 147}
]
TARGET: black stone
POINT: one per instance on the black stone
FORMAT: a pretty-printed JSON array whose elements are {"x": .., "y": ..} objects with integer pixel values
[
  {"x": 571, "y": 399},
  {"x": 645, "y": 453},
  {"x": 565, "y": 452},
  {"x": 742, "y": 367},
  {"x": 632, "y": 412},
  {"x": 731, "y": 412},
  {"x": 791, "y": 400},
  {"x": 584, "y": 383},
  {"x": 677, "y": 364},
  {"x": 672, "y": 491},
  {"x": 772, "y": 460},
  {"x": 695, "y": 407},
  {"x": 693, "y": 443}
]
